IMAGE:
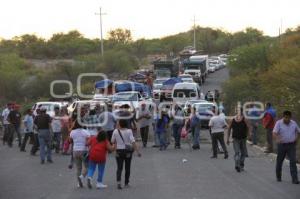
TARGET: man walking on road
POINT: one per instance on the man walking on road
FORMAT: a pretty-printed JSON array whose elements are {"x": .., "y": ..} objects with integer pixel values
[
  {"x": 5, "y": 122},
  {"x": 108, "y": 122},
  {"x": 178, "y": 123},
  {"x": 56, "y": 125},
  {"x": 254, "y": 115},
  {"x": 268, "y": 122},
  {"x": 217, "y": 125},
  {"x": 240, "y": 131},
  {"x": 14, "y": 118},
  {"x": 286, "y": 133},
  {"x": 28, "y": 130},
  {"x": 144, "y": 119},
  {"x": 43, "y": 123}
]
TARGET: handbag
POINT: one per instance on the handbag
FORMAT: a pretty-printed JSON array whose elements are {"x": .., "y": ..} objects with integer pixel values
[
  {"x": 128, "y": 147},
  {"x": 183, "y": 132}
]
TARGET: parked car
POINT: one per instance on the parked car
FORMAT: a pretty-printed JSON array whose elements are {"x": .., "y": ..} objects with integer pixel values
[
  {"x": 187, "y": 78},
  {"x": 215, "y": 64},
  {"x": 204, "y": 109},
  {"x": 183, "y": 92},
  {"x": 89, "y": 103},
  {"x": 190, "y": 103},
  {"x": 157, "y": 85},
  {"x": 49, "y": 106},
  {"x": 211, "y": 69},
  {"x": 131, "y": 98}
]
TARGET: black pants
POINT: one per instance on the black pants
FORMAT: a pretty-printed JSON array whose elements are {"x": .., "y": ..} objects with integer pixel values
[
  {"x": 290, "y": 151},
  {"x": 215, "y": 138},
  {"x": 36, "y": 144},
  {"x": 32, "y": 139},
  {"x": 12, "y": 130},
  {"x": 123, "y": 157},
  {"x": 144, "y": 134},
  {"x": 109, "y": 135},
  {"x": 6, "y": 133}
]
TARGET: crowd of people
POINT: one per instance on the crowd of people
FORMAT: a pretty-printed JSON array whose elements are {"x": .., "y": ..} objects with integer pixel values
[{"x": 97, "y": 131}]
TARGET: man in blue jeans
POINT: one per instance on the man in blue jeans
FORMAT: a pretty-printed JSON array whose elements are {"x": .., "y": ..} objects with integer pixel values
[
  {"x": 195, "y": 126},
  {"x": 178, "y": 123},
  {"x": 286, "y": 132},
  {"x": 43, "y": 123}
]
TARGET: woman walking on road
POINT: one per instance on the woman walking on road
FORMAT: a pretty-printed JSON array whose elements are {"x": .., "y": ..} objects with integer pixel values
[
  {"x": 124, "y": 143},
  {"x": 240, "y": 132},
  {"x": 79, "y": 138},
  {"x": 99, "y": 146}
]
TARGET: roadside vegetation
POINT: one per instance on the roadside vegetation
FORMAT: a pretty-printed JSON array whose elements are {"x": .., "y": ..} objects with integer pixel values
[
  {"x": 268, "y": 71},
  {"x": 22, "y": 81}
]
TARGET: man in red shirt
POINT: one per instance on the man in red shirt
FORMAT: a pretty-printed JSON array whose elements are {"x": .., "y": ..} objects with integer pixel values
[{"x": 268, "y": 122}]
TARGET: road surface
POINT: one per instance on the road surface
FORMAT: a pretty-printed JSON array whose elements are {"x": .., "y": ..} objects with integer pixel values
[{"x": 156, "y": 174}]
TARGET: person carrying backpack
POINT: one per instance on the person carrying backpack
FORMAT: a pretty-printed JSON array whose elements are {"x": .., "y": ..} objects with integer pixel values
[{"x": 268, "y": 122}]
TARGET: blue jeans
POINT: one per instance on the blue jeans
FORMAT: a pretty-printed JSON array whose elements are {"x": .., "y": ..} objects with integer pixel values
[
  {"x": 162, "y": 139},
  {"x": 177, "y": 133},
  {"x": 45, "y": 143},
  {"x": 240, "y": 152},
  {"x": 196, "y": 136},
  {"x": 92, "y": 168}
]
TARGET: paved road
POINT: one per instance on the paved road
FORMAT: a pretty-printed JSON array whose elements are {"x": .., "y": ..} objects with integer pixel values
[{"x": 156, "y": 175}]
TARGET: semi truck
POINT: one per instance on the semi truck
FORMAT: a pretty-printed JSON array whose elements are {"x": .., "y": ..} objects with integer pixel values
[
  {"x": 166, "y": 68},
  {"x": 197, "y": 66}
]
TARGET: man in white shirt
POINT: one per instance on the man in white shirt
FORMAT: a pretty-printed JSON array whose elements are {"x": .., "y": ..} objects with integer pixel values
[
  {"x": 217, "y": 125},
  {"x": 144, "y": 118},
  {"x": 5, "y": 122}
]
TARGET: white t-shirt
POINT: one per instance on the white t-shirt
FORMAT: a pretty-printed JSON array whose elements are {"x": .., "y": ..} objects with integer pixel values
[
  {"x": 217, "y": 124},
  {"x": 79, "y": 137},
  {"x": 144, "y": 122},
  {"x": 56, "y": 124},
  {"x": 5, "y": 114},
  {"x": 28, "y": 123},
  {"x": 127, "y": 136}
]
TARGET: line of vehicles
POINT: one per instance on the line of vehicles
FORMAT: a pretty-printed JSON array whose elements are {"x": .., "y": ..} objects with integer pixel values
[{"x": 177, "y": 80}]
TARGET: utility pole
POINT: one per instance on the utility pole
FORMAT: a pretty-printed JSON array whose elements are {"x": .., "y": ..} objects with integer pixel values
[
  {"x": 194, "y": 32},
  {"x": 101, "y": 35}
]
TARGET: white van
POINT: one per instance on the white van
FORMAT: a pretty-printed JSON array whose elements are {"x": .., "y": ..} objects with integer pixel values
[{"x": 183, "y": 92}]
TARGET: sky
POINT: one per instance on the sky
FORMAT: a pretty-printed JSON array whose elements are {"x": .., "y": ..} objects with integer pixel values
[{"x": 145, "y": 18}]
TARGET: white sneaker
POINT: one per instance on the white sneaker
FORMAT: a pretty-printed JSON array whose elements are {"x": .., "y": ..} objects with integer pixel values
[{"x": 101, "y": 185}]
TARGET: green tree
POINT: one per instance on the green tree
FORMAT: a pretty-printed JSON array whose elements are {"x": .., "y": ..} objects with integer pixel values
[{"x": 120, "y": 36}]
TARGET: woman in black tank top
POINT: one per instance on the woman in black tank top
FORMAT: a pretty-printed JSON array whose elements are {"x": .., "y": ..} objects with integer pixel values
[{"x": 240, "y": 129}]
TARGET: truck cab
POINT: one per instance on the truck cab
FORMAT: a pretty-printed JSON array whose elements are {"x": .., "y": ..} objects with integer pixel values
[{"x": 197, "y": 66}]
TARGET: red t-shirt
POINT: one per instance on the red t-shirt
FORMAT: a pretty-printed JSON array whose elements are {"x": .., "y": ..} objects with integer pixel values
[
  {"x": 268, "y": 121},
  {"x": 98, "y": 150}
]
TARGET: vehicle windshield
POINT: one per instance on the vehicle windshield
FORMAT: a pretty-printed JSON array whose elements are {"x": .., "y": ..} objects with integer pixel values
[
  {"x": 48, "y": 107},
  {"x": 192, "y": 67},
  {"x": 126, "y": 97},
  {"x": 204, "y": 107},
  {"x": 157, "y": 86},
  {"x": 213, "y": 62},
  {"x": 159, "y": 81},
  {"x": 187, "y": 80},
  {"x": 162, "y": 73},
  {"x": 181, "y": 93}
]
